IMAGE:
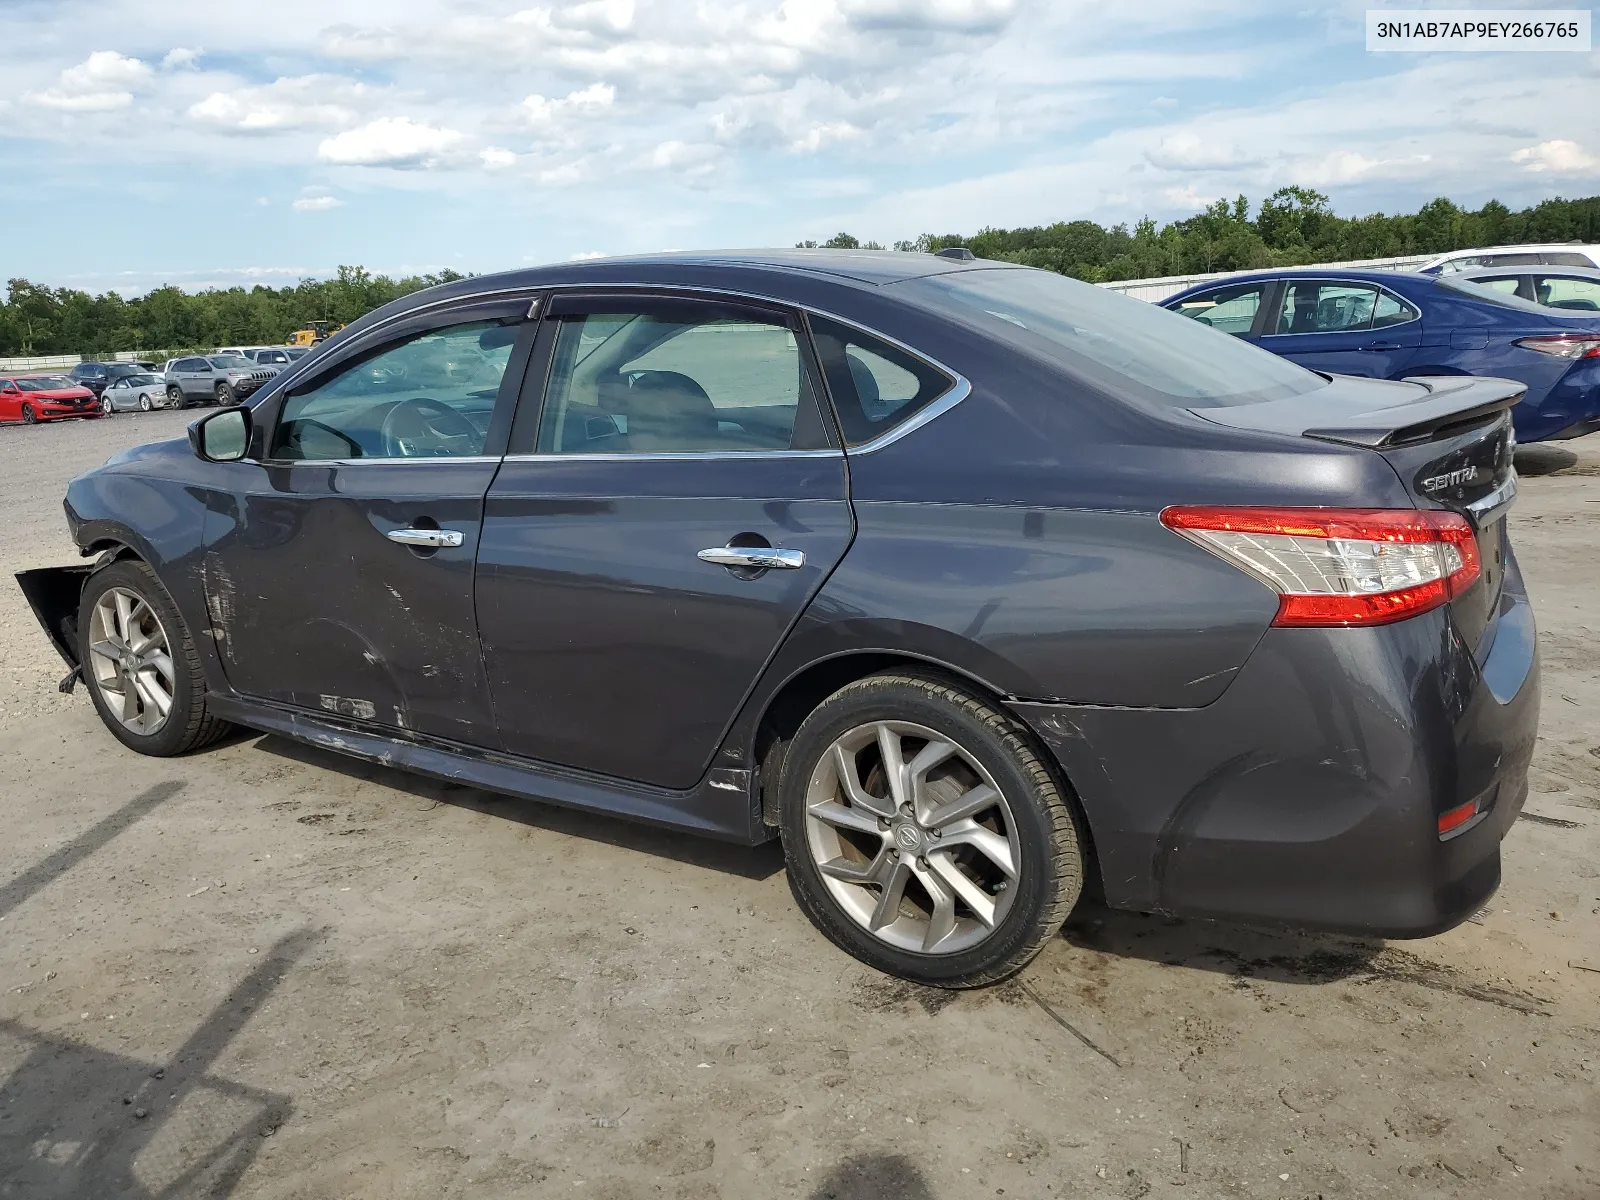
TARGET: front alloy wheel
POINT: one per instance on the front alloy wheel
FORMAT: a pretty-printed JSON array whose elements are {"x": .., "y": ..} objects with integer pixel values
[
  {"x": 141, "y": 665},
  {"x": 130, "y": 660},
  {"x": 144, "y": 402},
  {"x": 106, "y": 405},
  {"x": 925, "y": 832},
  {"x": 225, "y": 395},
  {"x": 29, "y": 417}
]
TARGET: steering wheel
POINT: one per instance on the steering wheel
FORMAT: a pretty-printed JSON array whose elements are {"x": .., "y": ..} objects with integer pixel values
[{"x": 423, "y": 427}]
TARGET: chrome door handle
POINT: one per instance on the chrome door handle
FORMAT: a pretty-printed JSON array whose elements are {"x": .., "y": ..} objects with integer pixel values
[
  {"x": 762, "y": 558},
  {"x": 433, "y": 539}
]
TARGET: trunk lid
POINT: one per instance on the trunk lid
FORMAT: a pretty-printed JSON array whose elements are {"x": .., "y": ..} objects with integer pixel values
[{"x": 1449, "y": 440}]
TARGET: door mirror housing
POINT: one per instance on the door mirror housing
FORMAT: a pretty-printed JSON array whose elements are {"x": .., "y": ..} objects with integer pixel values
[{"x": 222, "y": 436}]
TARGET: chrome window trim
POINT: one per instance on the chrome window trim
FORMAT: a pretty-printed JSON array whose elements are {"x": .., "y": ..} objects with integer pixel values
[
  {"x": 960, "y": 387},
  {"x": 374, "y": 460},
  {"x": 675, "y": 456}
]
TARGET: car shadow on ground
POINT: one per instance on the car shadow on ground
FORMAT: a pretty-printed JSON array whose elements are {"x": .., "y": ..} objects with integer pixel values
[
  {"x": 748, "y": 862},
  {"x": 78, "y": 1121},
  {"x": 1286, "y": 956},
  {"x": 873, "y": 1177},
  {"x": 1542, "y": 458}
]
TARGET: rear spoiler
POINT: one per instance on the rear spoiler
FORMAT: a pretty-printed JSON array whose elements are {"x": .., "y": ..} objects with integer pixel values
[
  {"x": 1376, "y": 414},
  {"x": 53, "y": 594}
]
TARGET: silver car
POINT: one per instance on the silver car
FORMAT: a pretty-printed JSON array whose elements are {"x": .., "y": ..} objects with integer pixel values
[
  {"x": 219, "y": 378},
  {"x": 135, "y": 392}
]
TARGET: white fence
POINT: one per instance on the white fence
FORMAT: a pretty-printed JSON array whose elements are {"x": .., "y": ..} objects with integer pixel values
[
  {"x": 50, "y": 362},
  {"x": 1160, "y": 288}
]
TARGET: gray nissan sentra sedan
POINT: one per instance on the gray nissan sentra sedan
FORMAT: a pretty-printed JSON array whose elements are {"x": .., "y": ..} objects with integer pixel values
[{"x": 976, "y": 585}]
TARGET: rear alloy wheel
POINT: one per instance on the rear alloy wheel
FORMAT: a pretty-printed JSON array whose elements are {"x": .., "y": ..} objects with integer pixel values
[
  {"x": 29, "y": 417},
  {"x": 144, "y": 402},
  {"x": 925, "y": 834},
  {"x": 225, "y": 394},
  {"x": 175, "y": 396},
  {"x": 141, "y": 664}
]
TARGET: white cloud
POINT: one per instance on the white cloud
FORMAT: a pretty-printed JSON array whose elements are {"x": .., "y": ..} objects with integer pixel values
[
  {"x": 586, "y": 255},
  {"x": 1557, "y": 157},
  {"x": 103, "y": 82},
  {"x": 303, "y": 102},
  {"x": 549, "y": 118},
  {"x": 685, "y": 158},
  {"x": 180, "y": 57},
  {"x": 1188, "y": 151},
  {"x": 967, "y": 16},
  {"x": 316, "y": 203},
  {"x": 393, "y": 142},
  {"x": 496, "y": 158}
]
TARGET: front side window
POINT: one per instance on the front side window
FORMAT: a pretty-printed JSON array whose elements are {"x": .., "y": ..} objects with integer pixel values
[
  {"x": 1128, "y": 347},
  {"x": 1230, "y": 309},
  {"x": 661, "y": 377},
  {"x": 430, "y": 396},
  {"x": 1563, "y": 291},
  {"x": 1310, "y": 306}
]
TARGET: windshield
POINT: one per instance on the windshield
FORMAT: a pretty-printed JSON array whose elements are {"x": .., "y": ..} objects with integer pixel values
[
  {"x": 144, "y": 380},
  {"x": 231, "y": 362},
  {"x": 46, "y": 383},
  {"x": 1122, "y": 344},
  {"x": 118, "y": 370}
]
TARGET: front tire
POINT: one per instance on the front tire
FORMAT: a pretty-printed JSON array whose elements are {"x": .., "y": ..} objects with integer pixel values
[
  {"x": 225, "y": 396},
  {"x": 141, "y": 663},
  {"x": 144, "y": 403},
  {"x": 925, "y": 834},
  {"x": 29, "y": 417}
]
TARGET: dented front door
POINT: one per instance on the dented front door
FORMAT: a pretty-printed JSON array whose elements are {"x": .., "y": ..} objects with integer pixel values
[{"x": 314, "y": 603}]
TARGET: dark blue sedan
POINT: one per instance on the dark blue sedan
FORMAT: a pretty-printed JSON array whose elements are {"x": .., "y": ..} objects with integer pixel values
[{"x": 1398, "y": 325}]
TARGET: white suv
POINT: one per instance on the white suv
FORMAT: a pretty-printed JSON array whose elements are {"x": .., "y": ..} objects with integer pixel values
[{"x": 1572, "y": 254}]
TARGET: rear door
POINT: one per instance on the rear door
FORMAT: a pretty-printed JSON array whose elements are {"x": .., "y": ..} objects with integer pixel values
[
  {"x": 664, "y": 517},
  {"x": 10, "y": 401},
  {"x": 339, "y": 572},
  {"x": 1343, "y": 327}
]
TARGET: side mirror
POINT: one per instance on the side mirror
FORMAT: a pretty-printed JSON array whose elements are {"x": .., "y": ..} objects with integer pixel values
[{"x": 222, "y": 436}]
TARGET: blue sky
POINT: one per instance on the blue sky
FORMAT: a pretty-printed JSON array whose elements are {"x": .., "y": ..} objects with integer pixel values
[{"x": 200, "y": 143}]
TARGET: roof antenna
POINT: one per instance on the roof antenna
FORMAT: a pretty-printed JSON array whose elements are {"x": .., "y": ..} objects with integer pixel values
[{"x": 960, "y": 252}]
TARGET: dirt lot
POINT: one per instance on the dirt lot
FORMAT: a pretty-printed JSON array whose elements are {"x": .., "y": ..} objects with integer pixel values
[{"x": 266, "y": 972}]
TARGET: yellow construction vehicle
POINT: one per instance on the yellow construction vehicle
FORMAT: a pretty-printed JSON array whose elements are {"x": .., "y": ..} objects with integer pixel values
[{"x": 314, "y": 332}]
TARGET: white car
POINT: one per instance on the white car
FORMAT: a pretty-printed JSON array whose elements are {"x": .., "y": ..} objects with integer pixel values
[
  {"x": 1570, "y": 254},
  {"x": 135, "y": 392}
]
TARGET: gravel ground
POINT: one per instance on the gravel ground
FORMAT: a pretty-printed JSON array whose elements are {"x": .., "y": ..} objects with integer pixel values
[{"x": 263, "y": 971}]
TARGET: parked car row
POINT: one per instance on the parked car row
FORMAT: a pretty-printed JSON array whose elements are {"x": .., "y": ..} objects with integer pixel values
[{"x": 1536, "y": 324}]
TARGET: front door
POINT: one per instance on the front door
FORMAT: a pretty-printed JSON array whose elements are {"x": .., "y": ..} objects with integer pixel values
[
  {"x": 339, "y": 576},
  {"x": 656, "y": 532},
  {"x": 1343, "y": 328}
]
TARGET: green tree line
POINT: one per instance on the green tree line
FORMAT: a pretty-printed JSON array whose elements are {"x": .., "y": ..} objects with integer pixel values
[
  {"x": 39, "y": 320},
  {"x": 1291, "y": 227}
]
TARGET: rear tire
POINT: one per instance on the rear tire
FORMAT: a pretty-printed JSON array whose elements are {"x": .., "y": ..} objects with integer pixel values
[
  {"x": 175, "y": 397},
  {"x": 137, "y": 655},
  {"x": 961, "y": 881}
]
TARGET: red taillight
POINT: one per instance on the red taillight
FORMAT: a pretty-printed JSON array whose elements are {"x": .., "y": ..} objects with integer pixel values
[
  {"x": 1457, "y": 817},
  {"x": 1563, "y": 345},
  {"x": 1340, "y": 566}
]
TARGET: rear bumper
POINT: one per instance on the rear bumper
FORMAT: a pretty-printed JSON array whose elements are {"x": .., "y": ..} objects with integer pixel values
[{"x": 1309, "y": 792}]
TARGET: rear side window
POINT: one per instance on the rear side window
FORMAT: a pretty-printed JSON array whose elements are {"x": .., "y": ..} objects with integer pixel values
[
  {"x": 1568, "y": 258},
  {"x": 1561, "y": 291},
  {"x": 875, "y": 386},
  {"x": 1391, "y": 310},
  {"x": 1128, "y": 347},
  {"x": 1310, "y": 306}
]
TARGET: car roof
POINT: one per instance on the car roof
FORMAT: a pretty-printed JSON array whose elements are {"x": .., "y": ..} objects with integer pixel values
[
  {"x": 1529, "y": 248},
  {"x": 1353, "y": 274},
  {"x": 1528, "y": 269},
  {"x": 873, "y": 267}
]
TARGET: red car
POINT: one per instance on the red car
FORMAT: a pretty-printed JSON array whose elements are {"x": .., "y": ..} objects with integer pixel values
[{"x": 31, "y": 398}]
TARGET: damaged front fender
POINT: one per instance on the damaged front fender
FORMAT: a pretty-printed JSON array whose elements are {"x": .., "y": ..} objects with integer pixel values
[{"x": 53, "y": 593}]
